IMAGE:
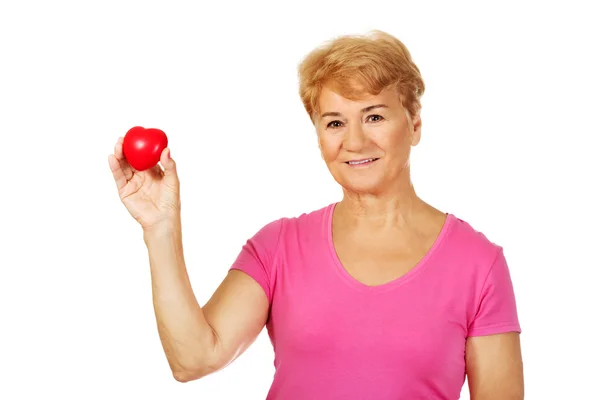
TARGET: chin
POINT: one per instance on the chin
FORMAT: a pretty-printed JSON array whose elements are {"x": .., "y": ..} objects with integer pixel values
[{"x": 362, "y": 186}]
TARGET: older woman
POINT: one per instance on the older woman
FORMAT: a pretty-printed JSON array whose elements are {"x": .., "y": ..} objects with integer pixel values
[{"x": 377, "y": 296}]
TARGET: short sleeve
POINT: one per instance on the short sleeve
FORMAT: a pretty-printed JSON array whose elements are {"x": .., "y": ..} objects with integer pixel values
[
  {"x": 496, "y": 308},
  {"x": 257, "y": 256}
]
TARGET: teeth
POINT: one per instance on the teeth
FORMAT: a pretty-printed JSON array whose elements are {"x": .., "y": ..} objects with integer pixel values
[{"x": 360, "y": 162}]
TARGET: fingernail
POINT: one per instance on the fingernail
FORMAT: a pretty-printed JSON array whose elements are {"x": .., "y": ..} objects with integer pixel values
[{"x": 169, "y": 153}]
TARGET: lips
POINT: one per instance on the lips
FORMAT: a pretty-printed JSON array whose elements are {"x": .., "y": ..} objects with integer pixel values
[{"x": 362, "y": 161}]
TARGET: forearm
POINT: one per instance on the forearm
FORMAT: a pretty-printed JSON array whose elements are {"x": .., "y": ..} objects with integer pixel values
[{"x": 187, "y": 338}]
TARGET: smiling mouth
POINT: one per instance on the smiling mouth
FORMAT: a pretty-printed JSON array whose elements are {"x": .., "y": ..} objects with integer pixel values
[{"x": 364, "y": 161}]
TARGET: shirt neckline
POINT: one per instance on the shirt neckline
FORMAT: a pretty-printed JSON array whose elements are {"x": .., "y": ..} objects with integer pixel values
[{"x": 401, "y": 280}]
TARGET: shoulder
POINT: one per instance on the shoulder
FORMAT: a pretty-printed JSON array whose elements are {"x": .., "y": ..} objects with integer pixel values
[
  {"x": 480, "y": 267},
  {"x": 275, "y": 232},
  {"x": 470, "y": 254},
  {"x": 308, "y": 222},
  {"x": 472, "y": 242}
]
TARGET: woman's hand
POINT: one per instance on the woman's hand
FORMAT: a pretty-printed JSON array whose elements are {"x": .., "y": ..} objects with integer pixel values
[{"x": 151, "y": 196}]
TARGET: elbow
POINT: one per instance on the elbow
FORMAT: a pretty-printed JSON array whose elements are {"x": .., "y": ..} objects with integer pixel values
[
  {"x": 192, "y": 372},
  {"x": 194, "y": 368},
  {"x": 183, "y": 376}
]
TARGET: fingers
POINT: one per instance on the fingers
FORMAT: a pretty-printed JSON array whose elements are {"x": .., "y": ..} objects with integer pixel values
[
  {"x": 170, "y": 169},
  {"x": 171, "y": 179},
  {"x": 120, "y": 168},
  {"x": 117, "y": 172},
  {"x": 127, "y": 169},
  {"x": 119, "y": 149}
]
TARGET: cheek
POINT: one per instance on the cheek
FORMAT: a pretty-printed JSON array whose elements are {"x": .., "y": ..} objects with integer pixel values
[
  {"x": 329, "y": 149},
  {"x": 395, "y": 141}
]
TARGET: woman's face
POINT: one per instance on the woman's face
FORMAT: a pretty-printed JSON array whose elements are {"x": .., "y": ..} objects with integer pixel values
[{"x": 366, "y": 144}]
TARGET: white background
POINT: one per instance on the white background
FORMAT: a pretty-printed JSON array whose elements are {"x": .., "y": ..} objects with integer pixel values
[{"x": 510, "y": 143}]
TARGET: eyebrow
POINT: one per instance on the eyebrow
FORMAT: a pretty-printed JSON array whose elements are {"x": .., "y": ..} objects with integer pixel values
[{"x": 364, "y": 110}]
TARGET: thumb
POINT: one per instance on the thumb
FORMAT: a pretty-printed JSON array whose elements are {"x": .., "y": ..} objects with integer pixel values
[{"x": 168, "y": 163}]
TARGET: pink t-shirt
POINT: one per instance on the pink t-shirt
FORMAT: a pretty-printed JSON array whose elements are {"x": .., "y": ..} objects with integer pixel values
[{"x": 336, "y": 338}]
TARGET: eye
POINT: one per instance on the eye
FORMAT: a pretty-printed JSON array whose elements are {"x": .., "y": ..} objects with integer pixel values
[
  {"x": 375, "y": 118},
  {"x": 334, "y": 124}
]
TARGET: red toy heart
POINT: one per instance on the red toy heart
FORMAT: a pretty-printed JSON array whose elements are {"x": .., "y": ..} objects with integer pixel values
[{"x": 142, "y": 147}]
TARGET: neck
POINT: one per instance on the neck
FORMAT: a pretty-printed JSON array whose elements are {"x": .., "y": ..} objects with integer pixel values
[{"x": 398, "y": 206}]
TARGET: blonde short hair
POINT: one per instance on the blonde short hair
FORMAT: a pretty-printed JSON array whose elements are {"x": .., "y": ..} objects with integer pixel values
[{"x": 356, "y": 65}]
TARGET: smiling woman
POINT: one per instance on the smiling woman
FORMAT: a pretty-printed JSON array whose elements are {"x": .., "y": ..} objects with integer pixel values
[
  {"x": 366, "y": 143},
  {"x": 380, "y": 295}
]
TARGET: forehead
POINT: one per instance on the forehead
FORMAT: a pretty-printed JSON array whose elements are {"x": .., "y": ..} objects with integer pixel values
[{"x": 332, "y": 101}]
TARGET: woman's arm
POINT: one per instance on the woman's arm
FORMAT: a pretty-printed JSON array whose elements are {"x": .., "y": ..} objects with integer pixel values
[
  {"x": 200, "y": 340},
  {"x": 495, "y": 367}
]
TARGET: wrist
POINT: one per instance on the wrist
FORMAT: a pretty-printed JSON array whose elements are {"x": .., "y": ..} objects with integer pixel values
[{"x": 165, "y": 229}]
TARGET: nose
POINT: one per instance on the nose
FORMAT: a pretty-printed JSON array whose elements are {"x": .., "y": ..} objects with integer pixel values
[{"x": 354, "y": 138}]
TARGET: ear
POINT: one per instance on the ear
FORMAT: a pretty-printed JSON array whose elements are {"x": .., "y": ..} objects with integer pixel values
[{"x": 416, "y": 128}]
